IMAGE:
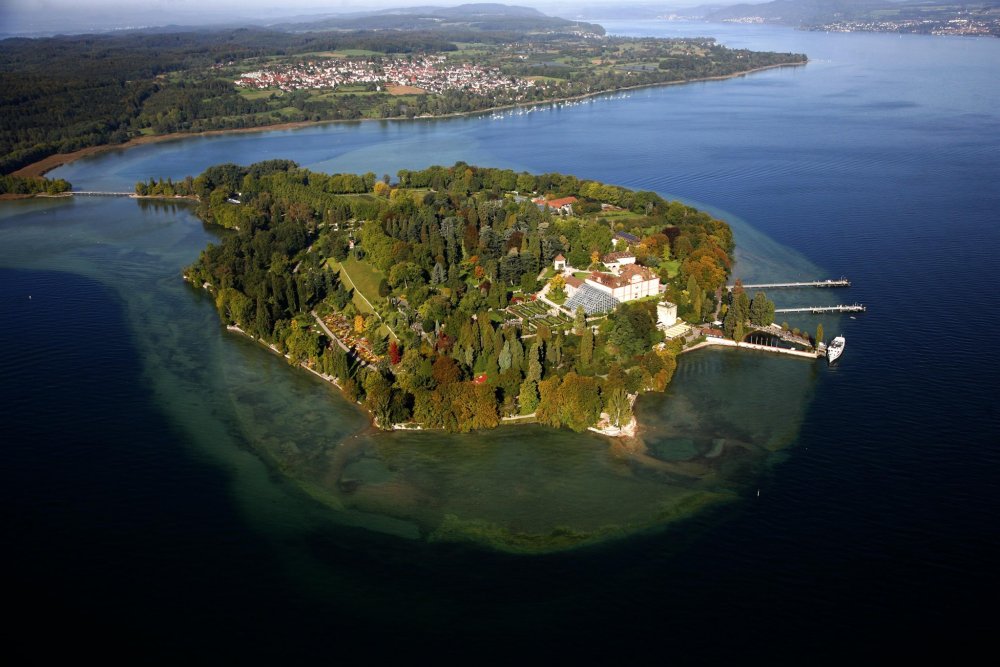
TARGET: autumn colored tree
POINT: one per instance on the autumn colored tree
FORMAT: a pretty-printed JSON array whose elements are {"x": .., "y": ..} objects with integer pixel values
[
  {"x": 580, "y": 402},
  {"x": 473, "y": 405},
  {"x": 446, "y": 370},
  {"x": 665, "y": 373},
  {"x": 557, "y": 289},
  {"x": 549, "y": 407}
]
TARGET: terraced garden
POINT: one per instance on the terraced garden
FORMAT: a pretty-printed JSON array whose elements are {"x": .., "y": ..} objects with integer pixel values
[{"x": 534, "y": 313}]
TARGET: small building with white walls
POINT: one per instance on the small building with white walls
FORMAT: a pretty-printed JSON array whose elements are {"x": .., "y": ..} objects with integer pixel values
[
  {"x": 559, "y": 263},
  {"x": 616, "y": 261},
  {"x": 666, "y": 314}
]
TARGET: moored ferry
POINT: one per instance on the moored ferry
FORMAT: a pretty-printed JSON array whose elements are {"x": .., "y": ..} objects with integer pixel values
[{"x": 835, "y": 349}]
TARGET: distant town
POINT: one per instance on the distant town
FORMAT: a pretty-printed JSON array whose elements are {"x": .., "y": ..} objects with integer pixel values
[
  {"x": 416, "y": 75},
  {"x": 899, "y": 17},
  {"x": 973, "y": 25}
]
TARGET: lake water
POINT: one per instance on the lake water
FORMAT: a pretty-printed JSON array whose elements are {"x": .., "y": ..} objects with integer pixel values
[{"x": 185, "y": 487}]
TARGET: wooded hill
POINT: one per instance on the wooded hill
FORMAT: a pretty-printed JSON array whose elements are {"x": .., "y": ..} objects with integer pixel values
[{"x": 439, "y": 257}]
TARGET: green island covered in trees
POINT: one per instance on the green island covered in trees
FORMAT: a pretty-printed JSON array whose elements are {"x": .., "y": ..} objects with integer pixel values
[
  {"x": 70, "y": 93},
  {"x": 438, "y": 299}
]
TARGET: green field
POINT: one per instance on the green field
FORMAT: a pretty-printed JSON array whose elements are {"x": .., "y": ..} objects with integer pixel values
[
  {"x": 252, "y": 94},
  {"x": 362, "y": 278}
]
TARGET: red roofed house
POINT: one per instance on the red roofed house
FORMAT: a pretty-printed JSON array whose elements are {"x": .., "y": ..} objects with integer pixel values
[
  {"x": 559, "y": 262},
  {"x": 561, "y": 205}
]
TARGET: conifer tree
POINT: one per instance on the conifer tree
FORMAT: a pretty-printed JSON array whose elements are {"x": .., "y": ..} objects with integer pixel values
[
  {"x": 579, "y": 321},
  {"x": 504, "y": 360},
  {"x": 587, "y": 346},
  {"x": 534, "y": 371}
]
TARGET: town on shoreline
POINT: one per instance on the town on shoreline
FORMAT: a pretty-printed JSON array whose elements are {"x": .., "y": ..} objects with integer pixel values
[{"x": 38, "y": 170}]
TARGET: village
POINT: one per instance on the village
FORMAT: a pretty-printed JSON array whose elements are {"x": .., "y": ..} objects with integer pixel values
[{"x": 423, "y": 74}]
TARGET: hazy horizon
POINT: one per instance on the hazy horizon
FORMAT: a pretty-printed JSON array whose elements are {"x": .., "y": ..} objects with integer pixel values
[{"x": 28, "y": 17}]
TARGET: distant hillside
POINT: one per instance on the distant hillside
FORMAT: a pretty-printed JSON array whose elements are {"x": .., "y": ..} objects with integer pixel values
[
  {"x": 799, "y": 12},
  {"x": 484, "y": 17},
  {"x": 819, "y": 12}
]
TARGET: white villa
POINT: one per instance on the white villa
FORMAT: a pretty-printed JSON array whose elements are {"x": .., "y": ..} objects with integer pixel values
[{"x": 632, "y": 282}]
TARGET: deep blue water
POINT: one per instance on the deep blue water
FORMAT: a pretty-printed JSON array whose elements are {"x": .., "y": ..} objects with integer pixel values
[{"x": 876, "y": 537}]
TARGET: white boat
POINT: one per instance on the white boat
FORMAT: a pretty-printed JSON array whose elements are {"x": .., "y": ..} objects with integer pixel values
[{"x": 835, "y": 349}]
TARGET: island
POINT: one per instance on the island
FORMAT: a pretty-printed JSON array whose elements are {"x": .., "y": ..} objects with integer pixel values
[{"x": 460, "y": 297}]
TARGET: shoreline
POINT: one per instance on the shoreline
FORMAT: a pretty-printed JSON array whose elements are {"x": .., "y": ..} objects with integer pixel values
[{"x": 47, "y": 164}]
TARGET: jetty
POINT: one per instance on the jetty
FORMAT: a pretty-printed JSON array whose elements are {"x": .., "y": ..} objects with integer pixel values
[
  {"x": 854, "y": 308},
  {"x": 725, "y": 342},
  {"x": 839, "y": 282},
  {"x": 95, "y": 193}
]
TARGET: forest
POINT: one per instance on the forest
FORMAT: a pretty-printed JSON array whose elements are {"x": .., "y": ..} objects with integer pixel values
[
  {"x": 421, "y": 277},
  {"x": 20, "y": 185}
]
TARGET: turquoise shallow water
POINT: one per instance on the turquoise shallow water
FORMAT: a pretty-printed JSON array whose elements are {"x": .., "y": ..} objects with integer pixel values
[{"x": 150, "y": 451}]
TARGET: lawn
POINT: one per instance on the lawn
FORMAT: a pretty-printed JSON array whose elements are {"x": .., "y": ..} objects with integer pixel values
[
  {"x": 673, "y": 267},
  {"x": 362, "y": 278}
]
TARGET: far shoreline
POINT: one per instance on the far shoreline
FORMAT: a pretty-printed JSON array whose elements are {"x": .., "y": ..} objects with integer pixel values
[{"x": 47, "y": 164}]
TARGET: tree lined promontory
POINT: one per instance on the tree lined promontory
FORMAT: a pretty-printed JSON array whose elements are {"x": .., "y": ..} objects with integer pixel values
[{"x": 429, "y": 283}]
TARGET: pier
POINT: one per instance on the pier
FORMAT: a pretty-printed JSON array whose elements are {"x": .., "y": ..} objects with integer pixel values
[
  {"x": 725, "y": 342},
  {"x": 94, "y": 193},
  {"x": 854, "y": 308},
  {"x": 839, "y": 282}
]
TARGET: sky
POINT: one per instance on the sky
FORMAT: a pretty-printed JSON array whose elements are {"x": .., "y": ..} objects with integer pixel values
[{"x": 46, "y": 16}]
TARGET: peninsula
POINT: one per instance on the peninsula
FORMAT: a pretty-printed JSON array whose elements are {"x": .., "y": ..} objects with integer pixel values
[{"x": 71, "y": 95}]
